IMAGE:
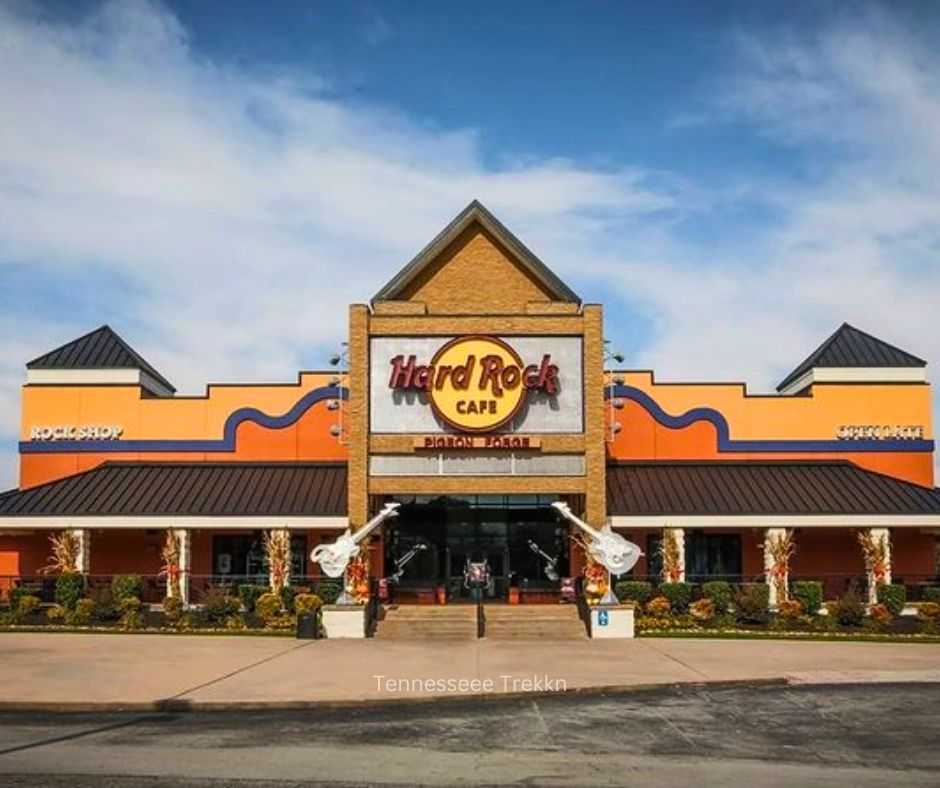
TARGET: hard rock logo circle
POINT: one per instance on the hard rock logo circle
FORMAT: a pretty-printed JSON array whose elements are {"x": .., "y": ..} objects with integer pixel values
[{"x": 475, "y": 383}]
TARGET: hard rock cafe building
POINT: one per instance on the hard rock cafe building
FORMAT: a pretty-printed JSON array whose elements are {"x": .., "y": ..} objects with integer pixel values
[{"x": 475, "y": 389}]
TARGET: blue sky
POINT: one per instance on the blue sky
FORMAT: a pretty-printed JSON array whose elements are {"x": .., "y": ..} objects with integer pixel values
[{"x": 217, "y": 181}]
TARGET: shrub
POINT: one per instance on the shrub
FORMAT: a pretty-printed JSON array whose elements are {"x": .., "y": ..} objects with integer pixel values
[
  {"x": 809, "y": 594},
  {"x": 16, "y": 594},
  {"x": 269, "y": 607},
  {"x": 248, "y": 593},
  {"x": 893, "y": 596},
  {"x": 235, "y": 623},
  {"x": 751, "y": 603},
  {"x": 928, "y": 611},
  {"x": 719, "y": 592},
  {"x": 69, "y": 588},
  {"x": 172, "y": 609},
  {"x": 28, "y": 604},
  {"x": 703, "y": 609},
  {"x": 123, "y": 586},
  {"x": 131, "y": 615},
  {"x": 678, "y": 594},
  {"x": 328, "y": 591},
  {"x": 659, "y": 607},
  {"x": 849, "y": 611},
  {"x": 82, "y": 613},
  {"x": 218, "y": 604},
  {"x": 305, "y": 603},
  {"x": 288, "y": 593},
  {"x": 105, "y": 606},
  {"x": 638, "y": 591},
  {"x": 931, "y": 594},
  {"x": 790, "y": 609},
  {"x": 56, "y": 613},
  {"x": 880, "y": 613}
]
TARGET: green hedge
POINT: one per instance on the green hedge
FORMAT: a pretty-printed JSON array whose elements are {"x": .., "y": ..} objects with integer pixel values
[
  {"x": 328, "y": 591},
  {"x": 638, "y": 591},
  {"x": 126, "y": 586},
  {"x": 931, "y": 594},
  {"x": 678, "y": 594},
  {"x": 69, "y": 588},
  {"x": 752, "y": 603},
  {"x": 719, "y": 592},
  {"x": 248, "y": 593},
  {"x": 809, "y": 593},
  {"x": 893, "y": 596}
]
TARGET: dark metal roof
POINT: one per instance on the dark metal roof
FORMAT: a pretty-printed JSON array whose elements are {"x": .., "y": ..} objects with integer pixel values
[
  {"x": 102, "y": 348},
  {"x": 852, "y": 347},
  {"x": 761, "y": 488},
  {"x": 193, "y": 489},
  {"x": 476, "y": 211}
]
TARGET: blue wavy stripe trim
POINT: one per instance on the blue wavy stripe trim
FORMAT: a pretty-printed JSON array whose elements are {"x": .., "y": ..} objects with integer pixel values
[
  {"x": 727, "y": 444},
  {"x": 226, "y": 443}
]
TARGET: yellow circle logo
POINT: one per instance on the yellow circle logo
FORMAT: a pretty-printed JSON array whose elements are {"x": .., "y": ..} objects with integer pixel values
[{"x": 477, "y": 383}]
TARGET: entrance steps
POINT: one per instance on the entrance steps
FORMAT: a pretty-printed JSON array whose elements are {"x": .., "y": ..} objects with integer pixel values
[
  {"x": 439, "y": 622},
  {"x": 459, "y": 622},
  {"x": 521, "y": 622}
]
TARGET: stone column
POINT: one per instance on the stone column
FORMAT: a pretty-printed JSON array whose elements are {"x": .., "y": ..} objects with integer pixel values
[
  {"x": 678, "y": 535},
  {"x": 83, "y": 561},
  {"x": 771, "y": 536},
  {"x": 184, "y": 535}
]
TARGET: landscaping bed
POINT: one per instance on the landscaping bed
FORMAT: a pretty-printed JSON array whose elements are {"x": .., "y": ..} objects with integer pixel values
[
  {"x": 723, "y": 610},
  {"x": 246, "y": 609}
]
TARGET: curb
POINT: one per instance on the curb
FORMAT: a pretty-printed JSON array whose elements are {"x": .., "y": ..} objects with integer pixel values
[{"x": 182, "y": 705}]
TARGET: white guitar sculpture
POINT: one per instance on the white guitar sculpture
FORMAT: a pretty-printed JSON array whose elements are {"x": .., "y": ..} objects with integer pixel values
[
  {"x": 609, "y": 549},
  {"x": 334, "y": 558}
]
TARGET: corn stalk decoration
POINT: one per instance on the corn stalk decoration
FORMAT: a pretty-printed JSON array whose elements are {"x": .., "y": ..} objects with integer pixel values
[
  {"x": 780, "y": 546},
  {"x": 671, "y": 556},
  {"x": 875, "y": 552},
  {"x": 357, "y": 577},
  {"x": 277, "y": 553},
  {"x": 171, "y": 569},
  {"x": 66, "y": 550}
]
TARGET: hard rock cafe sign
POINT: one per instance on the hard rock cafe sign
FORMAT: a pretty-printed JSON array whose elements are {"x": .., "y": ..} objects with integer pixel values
[{"x": 475, "y": 383}]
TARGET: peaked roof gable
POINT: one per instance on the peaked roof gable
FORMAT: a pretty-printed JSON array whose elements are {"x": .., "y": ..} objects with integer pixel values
[
  {"x": 852, "y": 347},
  {"x": 102, "y": 348},
  {"x": 477, "y": 212}
]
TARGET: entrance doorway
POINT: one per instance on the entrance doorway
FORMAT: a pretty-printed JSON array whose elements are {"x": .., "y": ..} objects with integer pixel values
[{"x": 518, "y": 536}]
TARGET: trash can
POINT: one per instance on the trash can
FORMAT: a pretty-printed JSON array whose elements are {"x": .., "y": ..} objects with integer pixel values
[{"x": 308, "y": 626}]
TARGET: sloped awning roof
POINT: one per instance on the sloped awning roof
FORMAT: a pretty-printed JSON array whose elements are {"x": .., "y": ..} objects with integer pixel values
[
  {"x": 122, "y": 491},
  {"x": 852, "y": 347},
  {"x": 102, "y": 348},
  {"x": 763, "y": 489}
]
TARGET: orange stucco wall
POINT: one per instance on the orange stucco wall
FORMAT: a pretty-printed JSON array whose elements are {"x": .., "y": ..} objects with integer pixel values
[{"x": 815, "y": 417}]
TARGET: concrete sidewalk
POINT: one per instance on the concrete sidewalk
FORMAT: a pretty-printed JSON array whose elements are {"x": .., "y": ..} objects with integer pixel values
[{"x": 42, "y": 670}]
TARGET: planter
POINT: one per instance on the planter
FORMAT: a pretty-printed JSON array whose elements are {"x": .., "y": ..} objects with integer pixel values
[
  {"x": 441, "y": 595},
  {"x": 513, "y": 596}
]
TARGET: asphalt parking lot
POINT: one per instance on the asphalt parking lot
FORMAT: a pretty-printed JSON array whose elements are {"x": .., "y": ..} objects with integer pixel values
[{"x": 762, "y": 735}]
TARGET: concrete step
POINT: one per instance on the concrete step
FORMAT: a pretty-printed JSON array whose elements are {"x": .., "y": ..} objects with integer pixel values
[{"x": 411, "y": 622}]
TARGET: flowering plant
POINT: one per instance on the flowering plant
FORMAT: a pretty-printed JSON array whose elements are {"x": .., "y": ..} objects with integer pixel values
[{"x": 357, "y": 578}]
